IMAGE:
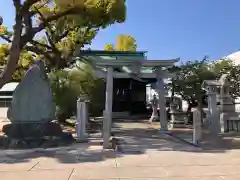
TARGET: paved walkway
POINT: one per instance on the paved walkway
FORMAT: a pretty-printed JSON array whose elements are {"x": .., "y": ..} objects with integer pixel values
[{"x": 158, "y": 157}]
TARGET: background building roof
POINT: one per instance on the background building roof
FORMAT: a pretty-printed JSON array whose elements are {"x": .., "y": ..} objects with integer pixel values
[{"x": 235, "y": 57}]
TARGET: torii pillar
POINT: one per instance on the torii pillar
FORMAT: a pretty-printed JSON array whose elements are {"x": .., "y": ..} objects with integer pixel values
[
  {"x": 161, "y": 100},
  {"x": 107, "y": 114}
]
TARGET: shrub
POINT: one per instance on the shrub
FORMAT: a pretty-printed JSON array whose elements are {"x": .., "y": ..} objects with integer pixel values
[{"x": 68, "y": 86}]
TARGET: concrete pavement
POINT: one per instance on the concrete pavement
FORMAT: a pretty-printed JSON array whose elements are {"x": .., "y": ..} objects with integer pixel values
[
  {"x": 162, "y": 165},
  {"x": 144, "y": 155}
]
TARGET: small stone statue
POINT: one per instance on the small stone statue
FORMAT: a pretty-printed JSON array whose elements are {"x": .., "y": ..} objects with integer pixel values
[{"x": 154, "y": 105}]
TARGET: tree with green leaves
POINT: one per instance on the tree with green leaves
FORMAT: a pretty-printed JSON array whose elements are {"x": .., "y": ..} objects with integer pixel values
[
  {"x": 25, "y": 60},
  {"x": 234, "y": 78},
  {"x": 226, "y": 66},
  {"x": 190, "y": 76},
  {"x": 123, "y": 43},
  {"x": 222, "y": 66},
  {"x": 67, "y": 86},
  {"x": 68, "y": 25}
]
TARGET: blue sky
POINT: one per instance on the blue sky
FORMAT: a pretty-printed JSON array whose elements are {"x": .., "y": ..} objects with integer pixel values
[{"x": 189, "y": 29}]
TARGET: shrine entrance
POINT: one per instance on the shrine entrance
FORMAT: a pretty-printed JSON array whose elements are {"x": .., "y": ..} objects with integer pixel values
[
  {"x": 136, "y": 72},
  {"x": 129, "y": 97}
]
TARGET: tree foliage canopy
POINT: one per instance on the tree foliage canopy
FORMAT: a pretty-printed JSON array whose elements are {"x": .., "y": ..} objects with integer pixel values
[
  {"x": 223, "y": 66},
  {"x": 123, "y": 43},
  {"x": 67, "y": 25},
  {"x": 190, "y": 76},
  {"x": 25, "y": 60}
]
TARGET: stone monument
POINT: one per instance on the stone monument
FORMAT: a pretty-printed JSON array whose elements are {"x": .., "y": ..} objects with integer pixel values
[
  {"x": 32, "y": 99},
  {"x": 31, "y": 112}
]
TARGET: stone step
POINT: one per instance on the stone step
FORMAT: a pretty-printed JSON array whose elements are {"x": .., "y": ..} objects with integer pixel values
[{"x": 179, "y": 126}]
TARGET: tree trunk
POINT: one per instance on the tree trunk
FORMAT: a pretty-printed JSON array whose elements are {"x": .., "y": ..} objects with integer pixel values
[{"x": 14, "y": 53}]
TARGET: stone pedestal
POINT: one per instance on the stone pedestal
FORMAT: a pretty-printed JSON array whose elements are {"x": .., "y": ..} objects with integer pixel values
[
  {"x": 212, "y": 102},
  {"x": 213, "y": 115},
  {"x": 32, "y": 130},
  {"x": 229, "y": 122},
  {"x": 214, "y": 125},
  {"x": 178, "y": 118},
  {"x": 233, "y": 124},
  {"x": 34, "y": 135}
]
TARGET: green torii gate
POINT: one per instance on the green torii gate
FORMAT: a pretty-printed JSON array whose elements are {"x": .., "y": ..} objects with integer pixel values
[{"x": 104, "y": 68}]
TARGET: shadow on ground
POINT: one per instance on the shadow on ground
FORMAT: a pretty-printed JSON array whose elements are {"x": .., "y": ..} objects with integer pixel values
[
  {"x": 210, "y": 141},
  {"x": 132, "y": 138},
  {"x": 140, "y": 137},
  {"x": 76, "y": 153}
]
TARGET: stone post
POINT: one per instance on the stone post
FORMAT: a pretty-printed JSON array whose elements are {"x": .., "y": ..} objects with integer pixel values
[
  {"x": 197, "y": 127},
  {"x": 161, "y": 101},
  {"x": 107, "y": 114},
  {"x": 81, "y": 120}
]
